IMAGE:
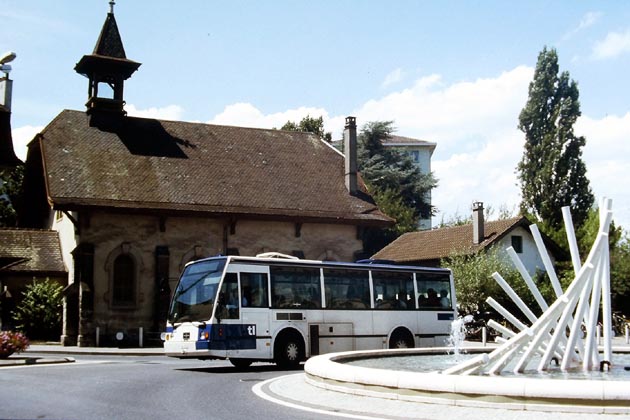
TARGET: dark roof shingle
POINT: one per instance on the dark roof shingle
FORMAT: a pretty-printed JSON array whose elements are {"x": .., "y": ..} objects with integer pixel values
[
  {"x": 31, "y": 251},
  {"x": 432, "y": 245},
  {"x": 140, "y": 163}
]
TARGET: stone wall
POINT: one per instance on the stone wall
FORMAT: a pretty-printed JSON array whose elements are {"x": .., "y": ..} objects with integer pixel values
[{"x": 186, "y": 239}]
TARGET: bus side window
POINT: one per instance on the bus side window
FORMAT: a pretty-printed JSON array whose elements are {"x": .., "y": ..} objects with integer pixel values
[
  {"x": 295, "y": 287},
  {"x": 230, "y": 300},
  {"x": 347, "y": 289},
  {"x": 433, "y": 290},
  {"x": 254, "y": 290},
  {"x": 393, "y": 290}
]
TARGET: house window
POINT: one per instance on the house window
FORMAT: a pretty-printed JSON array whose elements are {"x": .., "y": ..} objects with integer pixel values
[
  {"x": 123, "y": 293},
  {"x": 517, "y": 243}
]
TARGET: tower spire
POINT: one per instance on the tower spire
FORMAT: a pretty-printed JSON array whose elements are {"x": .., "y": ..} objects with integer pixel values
[{"x": 107, "y": 65}]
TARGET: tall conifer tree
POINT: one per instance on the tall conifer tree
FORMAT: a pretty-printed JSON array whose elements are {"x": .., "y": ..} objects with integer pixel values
[{"x": 551, "y": 172}]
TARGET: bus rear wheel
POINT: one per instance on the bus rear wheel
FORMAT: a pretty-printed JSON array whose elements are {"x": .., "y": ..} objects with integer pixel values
[
  {"x": 401, "y": 339},
  {"x": 289, "y": 351}
]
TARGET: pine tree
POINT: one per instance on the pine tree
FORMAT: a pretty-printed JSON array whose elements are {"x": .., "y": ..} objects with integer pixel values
[
  {"x": 551, "y": 172},
  {"x": 386, "y": 169},
  {"x": 398, "y": 186}
]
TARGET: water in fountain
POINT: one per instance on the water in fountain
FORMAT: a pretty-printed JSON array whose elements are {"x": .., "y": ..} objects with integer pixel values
[
  {"x": 458, "y": 333},
  {"x": 439, "y": 362}
]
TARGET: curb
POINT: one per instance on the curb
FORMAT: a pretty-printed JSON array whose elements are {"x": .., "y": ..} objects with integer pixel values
[
  {"x": 95, "y": 351},
  {"x": 29, "y": 361}
]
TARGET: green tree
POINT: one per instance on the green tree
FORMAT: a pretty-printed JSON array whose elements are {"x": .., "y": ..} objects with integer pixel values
[
  {"x": 397, "y": 185},
  {"x": 390, "y": 203},
  {"x": 10, "y": 195},
  {"x": 474, "y": 282},
  {"x": 620, "y": 276},
  {"x": 39, "y": 312},
  {"x": 473, "y": 278},
  {"x": 619, "y": 247},
  {"x": 384, "y": 168},
  {"x": 551, "y": 171},
  {"x": 309, "y": 125}
]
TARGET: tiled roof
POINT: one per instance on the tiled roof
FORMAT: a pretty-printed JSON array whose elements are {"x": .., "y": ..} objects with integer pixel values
[
  {"x": 431, "y": 245},
  {"x": 140, "y": 163},
  {"x": 30, "y": 250}
]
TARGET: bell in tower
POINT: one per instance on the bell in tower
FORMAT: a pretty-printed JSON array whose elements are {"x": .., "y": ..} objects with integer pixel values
[{"x": 107, "y": 68}]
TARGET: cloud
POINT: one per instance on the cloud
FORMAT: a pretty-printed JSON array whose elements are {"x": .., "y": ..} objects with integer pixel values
[
  {"x": 588, "y": 20},
  {"x": 393, "y": 77},
  {"x": 474, "y": 124},
  {"x": 169, "y": 112},
  {"x": 606, "y": 157},
  {"x": 21, "y": 137},
  {"x": 453, "y": 114},
  {"x": 615, "y": 44},
  {"x": 247, "y": 115}
]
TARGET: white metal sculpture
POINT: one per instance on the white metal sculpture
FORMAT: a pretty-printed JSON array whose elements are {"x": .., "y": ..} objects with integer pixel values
[{"x": 557, "y": 334}]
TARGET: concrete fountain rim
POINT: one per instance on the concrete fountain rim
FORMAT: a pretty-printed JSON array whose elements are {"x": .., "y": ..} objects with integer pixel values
[{"x": 517, "y": 393}]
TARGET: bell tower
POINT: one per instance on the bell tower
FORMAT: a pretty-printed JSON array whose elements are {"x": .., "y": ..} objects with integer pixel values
[{"x": 107, "y": 68}]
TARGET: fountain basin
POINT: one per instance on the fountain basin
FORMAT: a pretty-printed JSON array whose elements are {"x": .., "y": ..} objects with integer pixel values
[{"x": 330, "y": 371}]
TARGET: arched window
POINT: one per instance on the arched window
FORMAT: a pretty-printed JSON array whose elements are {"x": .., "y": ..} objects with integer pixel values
[{"x": 124, "y": 281}]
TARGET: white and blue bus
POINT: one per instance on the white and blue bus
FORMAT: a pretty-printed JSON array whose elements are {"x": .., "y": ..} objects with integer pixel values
[{"x": 279, "y": 308}]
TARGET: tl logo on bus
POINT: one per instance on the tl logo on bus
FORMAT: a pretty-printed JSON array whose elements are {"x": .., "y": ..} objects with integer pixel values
[{"x": 251, "y": 330}]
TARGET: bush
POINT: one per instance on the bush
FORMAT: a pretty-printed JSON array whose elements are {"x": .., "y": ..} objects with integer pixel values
[
  {"x": 12, "y": 342},
  {"x": 40, "y": 311},
  {"x": 473, "y": 279}
]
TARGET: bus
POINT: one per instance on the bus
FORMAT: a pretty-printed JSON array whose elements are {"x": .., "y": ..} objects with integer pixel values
[{"x": 279, "y": 308}]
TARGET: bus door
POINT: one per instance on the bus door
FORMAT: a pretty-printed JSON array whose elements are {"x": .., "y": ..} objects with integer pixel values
[{"x": 250, "y": 336}]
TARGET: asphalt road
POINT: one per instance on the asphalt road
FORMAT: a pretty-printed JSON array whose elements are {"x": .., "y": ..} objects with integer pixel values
[{"x": 140, "y": 387}]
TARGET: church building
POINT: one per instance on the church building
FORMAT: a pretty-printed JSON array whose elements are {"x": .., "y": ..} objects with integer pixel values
[{"x": 134, "y": 199}]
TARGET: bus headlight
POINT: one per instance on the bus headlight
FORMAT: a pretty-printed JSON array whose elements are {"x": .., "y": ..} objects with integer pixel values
[{"x": 204, "y": 335}]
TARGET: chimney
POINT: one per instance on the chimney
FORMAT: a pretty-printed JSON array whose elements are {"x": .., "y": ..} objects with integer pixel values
[
  {"x": 478, "y": 223},
  {"x": 350, "y": 149}
]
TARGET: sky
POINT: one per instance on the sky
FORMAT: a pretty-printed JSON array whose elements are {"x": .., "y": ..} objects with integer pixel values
[{"x": 451, "y": 72}]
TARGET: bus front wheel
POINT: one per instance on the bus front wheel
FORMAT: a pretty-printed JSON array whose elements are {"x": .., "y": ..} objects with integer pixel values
[
  {"x": 289, "y": 350},
  {"x": 401, "y": 339}
]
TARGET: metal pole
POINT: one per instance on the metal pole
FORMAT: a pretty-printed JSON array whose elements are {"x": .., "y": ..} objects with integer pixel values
[
  {"x": 140, "y": 338},
  {"x": 573, "y": 246},
  {"x": 604, "y": 210},
  {"x": 484, "y": 336},
  {"x": 98, "y": 336}
]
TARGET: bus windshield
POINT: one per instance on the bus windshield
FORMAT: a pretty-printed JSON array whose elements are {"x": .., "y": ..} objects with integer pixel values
[{"x": 196, "y": 292}]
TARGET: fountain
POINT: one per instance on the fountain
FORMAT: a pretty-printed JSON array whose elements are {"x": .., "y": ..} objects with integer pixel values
[
  {"x": 552, "y": 341},
  {"x": 458, "y": 333}
]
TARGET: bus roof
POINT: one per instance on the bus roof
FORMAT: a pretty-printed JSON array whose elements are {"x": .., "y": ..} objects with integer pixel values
[{"x": 289, "y": 260}]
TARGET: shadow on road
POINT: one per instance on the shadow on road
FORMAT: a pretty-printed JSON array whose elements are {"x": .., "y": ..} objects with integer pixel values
[{"x": 232, "y": 369}]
